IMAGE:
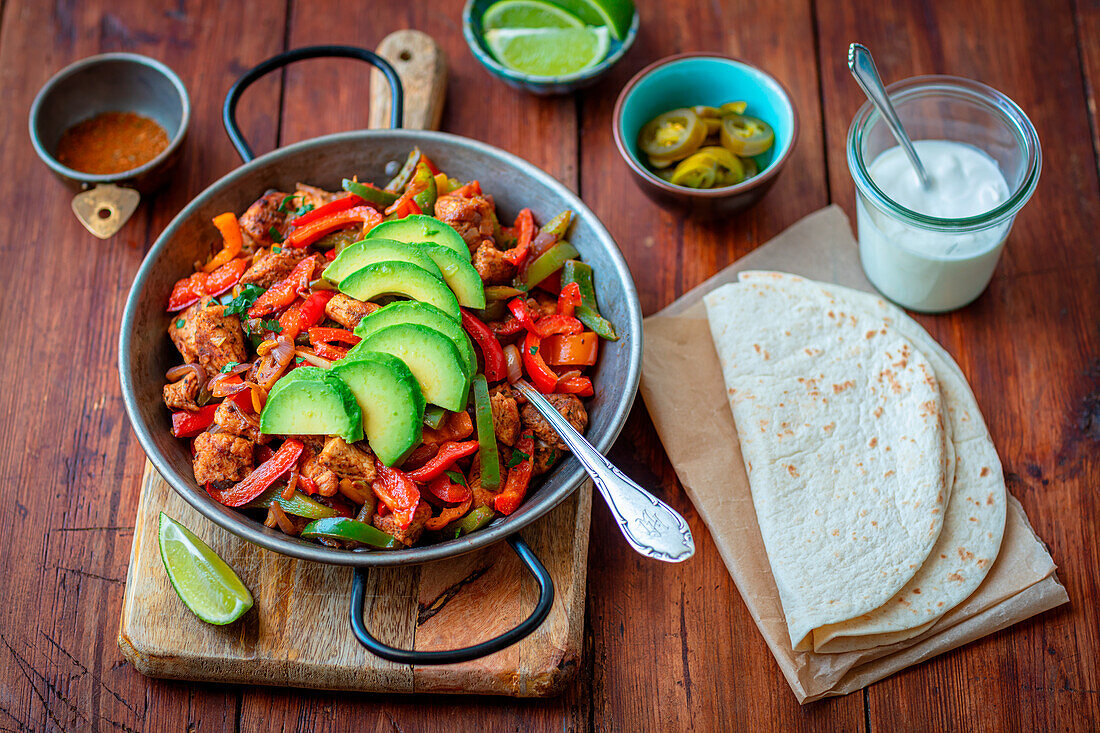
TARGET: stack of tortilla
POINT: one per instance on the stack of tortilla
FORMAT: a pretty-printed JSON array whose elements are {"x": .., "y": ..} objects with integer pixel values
[{"x": 878, "y": 491}]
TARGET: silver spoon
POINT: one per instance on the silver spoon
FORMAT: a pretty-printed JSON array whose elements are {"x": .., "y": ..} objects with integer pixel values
[
  {"x": 652, "y": 527},
  {"x": 862, "y": 66}
]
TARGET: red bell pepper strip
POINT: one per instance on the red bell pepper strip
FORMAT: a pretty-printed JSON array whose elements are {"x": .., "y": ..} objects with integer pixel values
[
  {"x": 188, "y": 424},
  {"x": 508, "y": 327},
  {"x": 304, "y": 314},
  {"x": 525, "y": 228},
  {"x": 262, "y": 477},
  {"x": 579, "y": 385},
  {"x": 519, "y": 478},
  {"x": 551, "y": 325},
  {"x": 397, "y": 491},
  {"x": 496, "y": 368},
  {"x": 232, "y": 241},
  {"x": 225, "y": 277},
  {"x": 569, "y": 299},
  {"x": 473, "y": 188},
  {"x": 330, "y": 254},
  {"x": 283, "y": 293},
  {"x": 428, "y": 162},
  {"x": 306, "y": 235},
  {"x": 520, "y": 311},
  {"x": 191, "y": 290},
  {"x": 541, "y": 375},
  {"x": 332, "y": 207},
  {"x": 448, "y": 453},
  {"x": 322, "y": 340},
  {"x": 446, "y": 490}
]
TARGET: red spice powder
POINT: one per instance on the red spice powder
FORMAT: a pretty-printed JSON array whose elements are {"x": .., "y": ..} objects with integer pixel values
[{"x": 111, "y": 142}]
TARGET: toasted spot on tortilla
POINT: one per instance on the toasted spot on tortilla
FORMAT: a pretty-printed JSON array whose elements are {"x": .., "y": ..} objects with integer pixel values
[
  {"x": 792, "y": 470},
  {"x": 965, "y": 554},
  {"x": 873, "y": 442},
  {"x": 943, "y": 557},
  {"x": 870, "y": 334},
  {"x": 973, "y": 519},
  {"x": 830, "y": 427},
  {"x": 838, "y": 388},
  {"x": 928, "y": 407},
  {"x": 917, "y": 591},
  {"x": 874, "y": 523},
  {"x": 955, "y": 577},
  {"x": 989, "y": 500},
  {"x": 983, "y": 562},
  {"x": 836, "y": 533},
  {"x": 983, "y": 473},
  {"x": 878, "y": 411},
  {"x": 888, "y": 474}
]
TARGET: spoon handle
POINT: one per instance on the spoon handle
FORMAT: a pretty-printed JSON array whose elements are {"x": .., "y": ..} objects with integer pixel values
[
  {"x": 862, "y": 66},
  {"x": 651, "y": 527}
]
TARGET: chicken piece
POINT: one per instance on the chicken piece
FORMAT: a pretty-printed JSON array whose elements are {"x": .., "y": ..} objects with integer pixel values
[
  {"x": 544, "y": 458},
  {"x": 542, "y": 304},
  {"x": 347, "y": 460},
  {"x": 232, "y": 420},
  {"x": 312, "y": 468},
  {"x": 347, "y": 311},
  {"x": 491, "y": 265},
  {"x": 471, "y": 217},
  {"x": 183, "y": 395},
  {"x": 570, "y": 408},
  {"x": 269, "y": 267},
  {"x": 264, "y": 215},
  {"x": 204, "y": 334},
  {"x": 409, "y": 535},
  {"x": 482, "y": 495},
  {"x": 312, "y": 196},
  {"x": 222, "y": 457},
  {"x": 505, "y": 416}
]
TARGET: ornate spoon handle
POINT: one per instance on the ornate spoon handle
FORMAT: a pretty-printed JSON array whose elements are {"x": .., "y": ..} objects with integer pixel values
[{"x": 651, "y": 527}]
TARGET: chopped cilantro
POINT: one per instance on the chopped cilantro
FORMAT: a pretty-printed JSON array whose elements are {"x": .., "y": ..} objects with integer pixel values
[
  {"x": 285, "y": 202},
  {"x": 230, "y": 367},
  {"x": 304, "y": 209},
  {"x": 299, "y": 360},
  {"x": 181, "y": 323},
  {"x": 276, "y": 249},
  {"x": 239, "y": 306},
  {"x": 276, "y": 235},
  {"x": 517, "y": 458},
  {"x": 458, "y": 532},
  {"x": 271, "y": 324},
  {"x": 533, "y": 350},
  {"x": 457, "y": 477}
]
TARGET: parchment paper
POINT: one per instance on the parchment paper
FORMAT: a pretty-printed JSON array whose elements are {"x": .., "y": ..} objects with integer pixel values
[{"x": 683, "y": 389}]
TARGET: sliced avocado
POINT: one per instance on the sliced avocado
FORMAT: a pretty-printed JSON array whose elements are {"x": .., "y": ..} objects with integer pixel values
[
  {"x": 401, "y": 278},
  {"x": 459, "y": 274},
  {"x": 359, "y": 255},
  {"x": 412, "y": 311},
  {"x": 391, "y": 402},
  {"x": 422, "y": 228},
  {"x": 312, "y": 401},
  {"x": 431, "y": 356}
]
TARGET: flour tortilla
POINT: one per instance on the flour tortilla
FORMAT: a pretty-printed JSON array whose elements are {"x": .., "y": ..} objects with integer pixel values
[
  {"x": 974, "y": 523},
  {"x": 843, "y": 434}
]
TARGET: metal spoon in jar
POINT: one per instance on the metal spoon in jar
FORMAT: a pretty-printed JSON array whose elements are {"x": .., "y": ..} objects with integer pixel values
[
  {"x": 652, "y": 527},
  {"x": 862, "y": 66}
]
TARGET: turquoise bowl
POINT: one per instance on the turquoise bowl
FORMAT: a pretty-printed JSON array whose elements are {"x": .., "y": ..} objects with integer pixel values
[
  {"x": 686, "y": 80},
  {"x": 541, "y": 85}
]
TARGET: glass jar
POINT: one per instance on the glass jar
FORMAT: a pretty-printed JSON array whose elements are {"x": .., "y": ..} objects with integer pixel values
[{"x": 923, "y": 262}]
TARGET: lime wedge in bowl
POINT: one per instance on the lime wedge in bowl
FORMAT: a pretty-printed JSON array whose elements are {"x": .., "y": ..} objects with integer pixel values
[
  {"x": 528, "y": 14},
  {"x": 549, "y": 51},
  {"x": 615, "y": 14},
  {"x": 205, "y": 584}
]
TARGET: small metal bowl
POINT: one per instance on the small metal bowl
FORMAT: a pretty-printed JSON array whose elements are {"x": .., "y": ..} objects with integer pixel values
[
  {"x": 541, "y": 85},
  {"x": 110, "y": 82},
  {"x": 690, "y": 79}
]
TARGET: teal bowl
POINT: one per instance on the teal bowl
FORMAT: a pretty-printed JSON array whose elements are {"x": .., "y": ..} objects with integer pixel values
[
  {"x": 687, "y": 80},
  {"x": 541, "y": 85}
]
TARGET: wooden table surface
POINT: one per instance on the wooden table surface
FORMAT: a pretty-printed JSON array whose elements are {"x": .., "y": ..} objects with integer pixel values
[{"x": 667, "y": 648}]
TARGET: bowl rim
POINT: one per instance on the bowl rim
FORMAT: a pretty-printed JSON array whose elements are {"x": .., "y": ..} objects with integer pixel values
[
  {"x": 499, "y": 69},
  {"x": 232, "y": 520},
  {"x": 135, "y": 58},
  {"x": 644, "y": 173}
]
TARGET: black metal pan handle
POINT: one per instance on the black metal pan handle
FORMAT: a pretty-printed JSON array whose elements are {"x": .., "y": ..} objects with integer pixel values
[
  {"x": 229, "y": 110},
  {"x": 451, "y": 656}
]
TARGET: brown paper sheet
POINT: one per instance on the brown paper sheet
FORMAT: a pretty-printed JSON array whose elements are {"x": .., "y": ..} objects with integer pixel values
[{"x": 683, "y": 389}]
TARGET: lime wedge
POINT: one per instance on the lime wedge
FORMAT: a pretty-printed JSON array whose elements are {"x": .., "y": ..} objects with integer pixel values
[
  {"x": 205, "y": 584},
  {"x": 615, "y": 14},
  {"x": 527, "y": 14},
  {"x": 548, "y": 51}
]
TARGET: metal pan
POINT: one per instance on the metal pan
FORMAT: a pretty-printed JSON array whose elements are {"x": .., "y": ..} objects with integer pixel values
[{"x": 145, "y": 353}]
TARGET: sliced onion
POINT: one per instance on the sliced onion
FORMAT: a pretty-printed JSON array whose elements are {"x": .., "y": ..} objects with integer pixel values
[
  {"x": 220, "y": 386},
  {"x": 179, "y": 372},
  {"x": 275, "y": 363},
  {"x": 313, "y": 359},
  {"x": 513, "y": 362},
  {"x": 569, "y": 374},
  {"x": 291, "y": 484}
]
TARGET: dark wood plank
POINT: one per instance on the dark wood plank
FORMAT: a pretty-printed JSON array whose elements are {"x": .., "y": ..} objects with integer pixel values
[
  {"x": 1030, "y": 347},
  {"x": 1088, "y": 41},
  {"x": 70, "y": 464}
]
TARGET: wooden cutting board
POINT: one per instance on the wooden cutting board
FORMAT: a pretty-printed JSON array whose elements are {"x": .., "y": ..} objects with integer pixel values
[{"x": 298, "y": 634}]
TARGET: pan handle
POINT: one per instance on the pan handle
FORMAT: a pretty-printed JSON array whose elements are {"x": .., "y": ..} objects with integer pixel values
[
  {"x": 451, "y": 656},
  {"x": 229, "y": 110}
]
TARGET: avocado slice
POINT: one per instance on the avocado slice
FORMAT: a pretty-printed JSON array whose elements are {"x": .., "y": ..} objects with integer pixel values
[
  {"x": 411, "y": 311},
  {"x": 359, "y": 255},
  {"x": 459, "y": 274},
  {"x": 401, "y": 278},
  {"x": 422, "y": 228},
  {"x": 431, "y": 356},
  {"x": 312, "y": 401},
  {"x": 391, "y": 402}
]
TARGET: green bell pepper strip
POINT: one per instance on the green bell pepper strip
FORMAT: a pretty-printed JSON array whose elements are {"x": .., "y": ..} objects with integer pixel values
[
  {"x": 545, "y": 265},
  {"x": 486, "y": 435},
  {"x": 299, "y": 505},
  {"x": 472, "y": 522},
  {"x": 369, "y": 194},
  {"x": 551, "y": 232},
  {"x": 501, "y": 292},
  {"x": 398, "y": 182},
  {"x": 587, "y": 312},
  {"x": 341, "y": 528},
  {"x": 433, "y": 416},
  {"x": 423, "y": 181}
]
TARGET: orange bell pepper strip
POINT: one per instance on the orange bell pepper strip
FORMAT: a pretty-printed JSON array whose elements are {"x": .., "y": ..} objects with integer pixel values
[
  {"x": 397, "y": 491},
  {"x": 576, "y": 350},
  {"x": 305, "y": 313},
  {"x": 262, "y": 477},
  {"x": 283, "y": 293},
  {"x": 306, "y": 235},
  {"x": 232, "y": 241},
  {"x": 449, "y": 514},
  {"x": 519, "y": 478},
  {"x": 448, "y": 453}
]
